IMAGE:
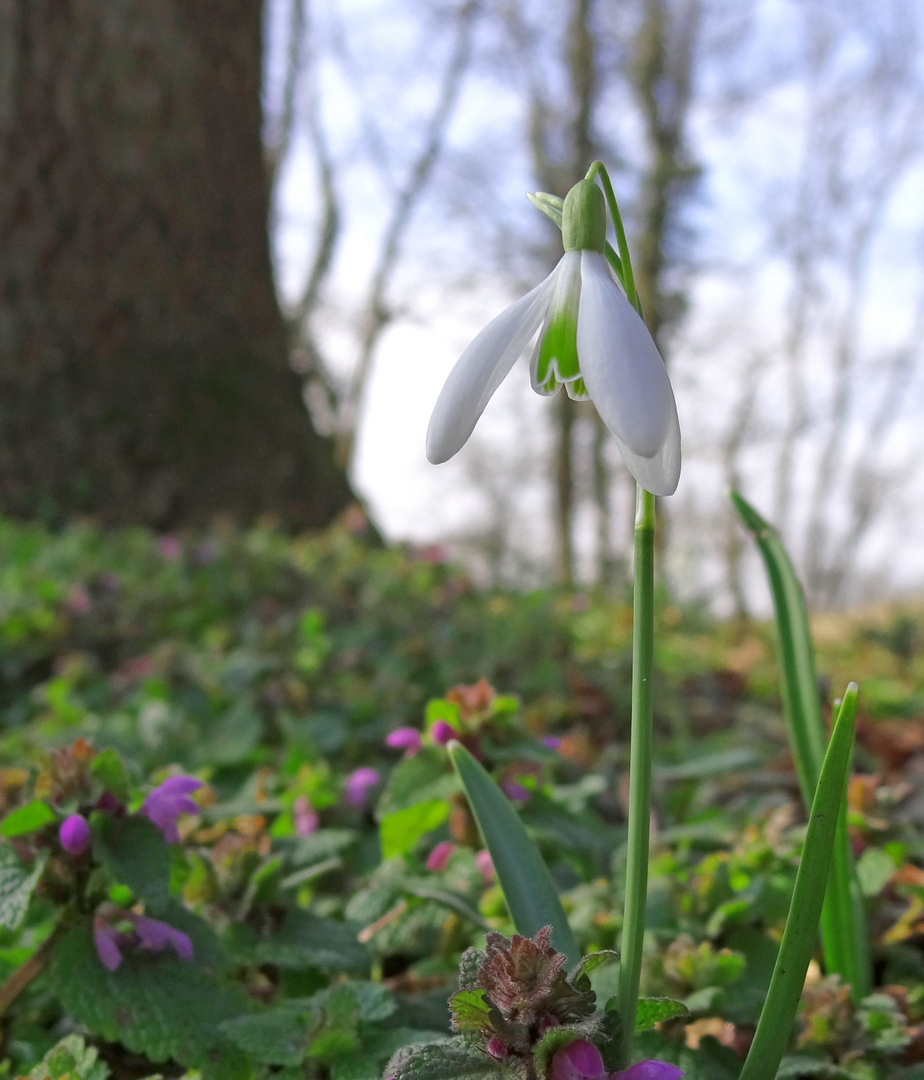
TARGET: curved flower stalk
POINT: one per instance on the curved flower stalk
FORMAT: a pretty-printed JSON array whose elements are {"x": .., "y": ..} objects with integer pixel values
[{"x": 591, "y": 340}]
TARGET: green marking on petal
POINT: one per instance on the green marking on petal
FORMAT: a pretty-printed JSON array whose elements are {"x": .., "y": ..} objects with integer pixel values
[
  {"x": 577, "y": 391},
  {"x": 558, "y": 358}
]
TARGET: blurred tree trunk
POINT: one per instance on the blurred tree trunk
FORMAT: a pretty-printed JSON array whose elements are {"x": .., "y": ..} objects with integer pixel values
[{"x": 144, "y": 372}]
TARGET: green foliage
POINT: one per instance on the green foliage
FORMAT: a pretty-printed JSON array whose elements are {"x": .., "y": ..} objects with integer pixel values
[
  {"x": 134, "y": 851},
  {"x": 525, "y": 880},
  {"x": 27, "y": 819},
  {"x": 17, "y": 883},
  {"x": 275, "y": 667},
  {"x": 786, "y": 983},
  {"x": 274, "y": 1037},
  {"x": 71, "y": 1059},
  {"x": 843, "y": 926},
  {"x": 442, "y": 1061},
  {"x": 653, "y": 1011},
  {"x": 109, "y": 770},
  {"x": 471, "y": 1011},
  {"x": 159, "y": 1006},
  {"x": 303, "y": 940}
]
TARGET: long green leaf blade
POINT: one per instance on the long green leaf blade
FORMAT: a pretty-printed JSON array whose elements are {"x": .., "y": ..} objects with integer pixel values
[
  {"x": 843, "y": 921},
  {"x": 779, "y": 1011},
  {"x": 797, "y": 655},
  {"x": 524, "y": 878}
]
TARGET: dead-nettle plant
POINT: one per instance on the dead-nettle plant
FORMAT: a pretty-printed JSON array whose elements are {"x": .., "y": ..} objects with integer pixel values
[{"x": 517, "y": 1011}]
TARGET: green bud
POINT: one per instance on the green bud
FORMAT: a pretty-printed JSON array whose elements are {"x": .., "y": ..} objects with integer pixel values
[{"x": 583, "y": 226}]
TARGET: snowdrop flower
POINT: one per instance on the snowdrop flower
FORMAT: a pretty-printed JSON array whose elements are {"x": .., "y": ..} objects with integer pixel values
[{"x": 592, "y": 340}]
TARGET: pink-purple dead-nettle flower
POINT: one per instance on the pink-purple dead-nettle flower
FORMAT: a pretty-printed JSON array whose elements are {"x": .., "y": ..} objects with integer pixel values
[
  {"x": 358, "y": 783},
  {"x": 407, "y": 739},
  {"x": 74, "y": 834},
  {"x": 439, "y": 857},
  {"x": 442, "y": 733},
  {"x": 485, "y": 865},
  {"x": 304, "y": 817},
  {"x": 117, "y": 929},
  {"x": 581, "y": 1060},
  {"x": 591, "y": 340},
  {"x": 168, "y": 800}
]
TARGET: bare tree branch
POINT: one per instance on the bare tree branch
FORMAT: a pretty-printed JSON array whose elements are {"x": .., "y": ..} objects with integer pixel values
[{"x": 377, "y": 313}]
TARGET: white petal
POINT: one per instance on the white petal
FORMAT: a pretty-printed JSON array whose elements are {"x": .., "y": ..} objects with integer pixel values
[
  {"x": 481, "y": 369},
  {"x": 659, "y": 474},
  {"x": 626, "y": 378}
]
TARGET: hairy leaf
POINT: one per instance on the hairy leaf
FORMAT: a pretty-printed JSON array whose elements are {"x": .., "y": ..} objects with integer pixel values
[
  {"x": 154, "y": 1004},
  {"x": 133, "y": 850},
  {"x": 17, "y": 883}
]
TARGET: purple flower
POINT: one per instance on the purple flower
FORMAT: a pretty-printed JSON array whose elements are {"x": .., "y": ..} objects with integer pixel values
[
  {"x": 157, "y": 936},
  {"x": 405, "y": 738},
  {"x": 108, "y": 802},
  {"x": 443, "y": 732},
  {"x": 514, "y": 790},
  {"x": 485, "y": 865},
  {"x": 357, "y": 785},
  {"x": 579, "y": 1060},
  {"x": 106, "y": 940},
  {"x": 168, "y": 800},
  {"x": 74, "y": 834},
  {"x": 168, "y": 547},
  {"x": 551, "y": 741},
  {"x": 439, "y": 857}
]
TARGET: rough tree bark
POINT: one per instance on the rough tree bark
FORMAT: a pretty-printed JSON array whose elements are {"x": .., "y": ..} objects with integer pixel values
[{"x": 144, "y": 373}]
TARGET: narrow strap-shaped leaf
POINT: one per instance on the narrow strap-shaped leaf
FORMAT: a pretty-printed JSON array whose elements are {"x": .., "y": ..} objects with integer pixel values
[
  {"x": 524, "y": 878},
  {"x": 797, "y": 656},
  {"x": 779, "y": 1011},
  {"x": 844, "y": 934}
]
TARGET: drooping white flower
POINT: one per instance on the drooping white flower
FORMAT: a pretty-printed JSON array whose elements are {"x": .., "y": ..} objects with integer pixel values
[{"x": 592, "y": 341}]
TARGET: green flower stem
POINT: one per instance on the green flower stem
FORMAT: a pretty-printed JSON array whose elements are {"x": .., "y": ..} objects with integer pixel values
[
  {"x": 779, "y": 1011},
  {"x": 633, "y": 928}
]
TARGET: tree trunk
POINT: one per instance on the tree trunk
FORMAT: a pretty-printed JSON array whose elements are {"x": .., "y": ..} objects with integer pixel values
[{"x": 144, "y": 372}]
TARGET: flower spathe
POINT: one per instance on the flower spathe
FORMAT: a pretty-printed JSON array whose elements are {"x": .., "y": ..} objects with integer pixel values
[{"x": 591, "y": 340}]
